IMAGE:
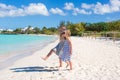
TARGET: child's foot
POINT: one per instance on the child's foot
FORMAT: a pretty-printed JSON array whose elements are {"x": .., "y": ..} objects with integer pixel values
[
  {"x": 44, "y": 58},
  {"x": 67, "y": 65},
  {"x": 70, "y": 69},
  {"x": 58, "y": 66}
]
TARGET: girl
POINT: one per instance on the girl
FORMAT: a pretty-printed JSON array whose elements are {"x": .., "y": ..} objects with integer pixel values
[
  {"x": 57, "y": 48},
  {"x": 66, "y": 51},
  {"x": 60, "y": 49}
]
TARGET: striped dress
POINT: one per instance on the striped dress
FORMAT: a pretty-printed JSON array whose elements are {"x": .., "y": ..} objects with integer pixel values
[
  {"x": 64, "y": 54},
  {"x": 59, "y": 47}
]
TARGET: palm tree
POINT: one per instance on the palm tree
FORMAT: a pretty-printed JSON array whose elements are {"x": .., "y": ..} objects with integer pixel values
[{"x": 36, "y": 30}]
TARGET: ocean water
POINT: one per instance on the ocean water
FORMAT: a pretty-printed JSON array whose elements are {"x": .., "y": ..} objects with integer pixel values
[
  {"x": 13, "y": 47},
  {"x": 11, "y": 43}
]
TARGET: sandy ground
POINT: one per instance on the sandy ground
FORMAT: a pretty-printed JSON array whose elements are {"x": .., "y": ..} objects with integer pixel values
[{"x": 92, "y": 60}]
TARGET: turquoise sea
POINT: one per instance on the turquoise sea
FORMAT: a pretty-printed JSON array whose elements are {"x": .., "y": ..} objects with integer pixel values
[{"x": 13, "y": 47}]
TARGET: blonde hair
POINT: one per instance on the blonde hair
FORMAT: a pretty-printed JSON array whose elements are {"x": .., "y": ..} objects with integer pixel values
[
  {"x": 68, "y": 33},
  {"x": 63, "y": 29}
]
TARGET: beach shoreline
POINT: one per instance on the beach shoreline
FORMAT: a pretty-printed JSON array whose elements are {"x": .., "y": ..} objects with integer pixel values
[
  {"x": 93, "y": 59},
  {"x": 7, "y": 60}
]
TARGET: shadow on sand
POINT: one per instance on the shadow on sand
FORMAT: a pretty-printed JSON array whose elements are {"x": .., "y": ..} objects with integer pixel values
[{"x": 34, "y": 69}]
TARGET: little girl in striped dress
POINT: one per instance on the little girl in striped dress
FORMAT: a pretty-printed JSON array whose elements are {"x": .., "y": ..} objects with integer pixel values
[
  {"x": 66, "y": 51},
  {"x": 63, "y": 49}
]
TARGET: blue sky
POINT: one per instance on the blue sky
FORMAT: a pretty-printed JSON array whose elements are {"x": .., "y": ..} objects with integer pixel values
[{"x": 49, "y": 13}]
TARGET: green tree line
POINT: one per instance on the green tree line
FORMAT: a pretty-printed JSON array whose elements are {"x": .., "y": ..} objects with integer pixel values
[{"x": 75, "y": 28}]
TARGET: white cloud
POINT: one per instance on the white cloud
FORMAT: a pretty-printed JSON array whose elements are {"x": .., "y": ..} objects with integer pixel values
[
  {"x": 16, "y": 12},
  {"x": 36, "y": 9},
  {"x": 69, "y": 6},
  {"x": 32, "y": 9},
  {"x": 76, "y": 11},
  {"x": 57, "y": 11},
  {"x": 81, "y": 11},
  {"x": 99, "y": 8},
  {"x": 115, "y": 5},
  {"x": 41, "y": 9},
  {"x": 6, "y": 10},
  {"x": 86, "y": 6},
  {"x": 4, "y": 6}
]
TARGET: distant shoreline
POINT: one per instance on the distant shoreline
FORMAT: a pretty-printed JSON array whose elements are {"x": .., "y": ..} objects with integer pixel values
[{"x": 8, "y": 59}]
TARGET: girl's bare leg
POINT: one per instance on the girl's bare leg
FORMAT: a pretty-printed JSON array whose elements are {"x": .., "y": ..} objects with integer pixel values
[
  {"x": 70, "y": 63},
  {"x": 60, "y": 61},
  {"x": 67, "y": 64},
  {"x": 60, "y": 64},
  {"x": 49, "y": 54}
]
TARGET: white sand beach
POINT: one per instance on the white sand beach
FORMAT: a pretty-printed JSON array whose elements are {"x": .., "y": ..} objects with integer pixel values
[{"x": 92, "y": 60}]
